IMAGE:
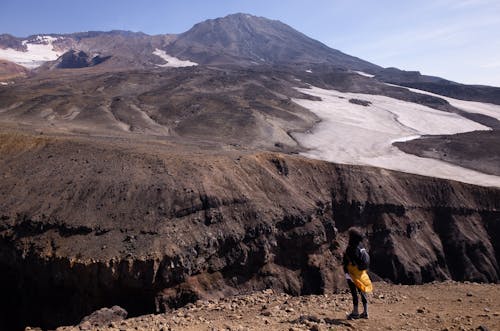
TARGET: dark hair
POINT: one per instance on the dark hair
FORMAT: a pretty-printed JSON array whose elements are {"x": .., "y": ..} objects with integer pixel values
[{"x": 355, "y": 236}]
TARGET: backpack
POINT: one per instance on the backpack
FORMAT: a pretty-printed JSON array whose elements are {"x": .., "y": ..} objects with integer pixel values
[{"x": 363, "y": 259}]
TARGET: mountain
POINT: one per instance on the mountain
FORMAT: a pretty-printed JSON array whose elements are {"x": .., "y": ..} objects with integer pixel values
[
  {"x": 238, "y": 39},
  {"x": 153, "y": 171},
  {"x": 247, "y": 39}
]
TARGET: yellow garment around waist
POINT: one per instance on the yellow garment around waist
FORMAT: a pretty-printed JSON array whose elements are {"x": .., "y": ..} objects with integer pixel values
[{"x": 360, "y": 278}]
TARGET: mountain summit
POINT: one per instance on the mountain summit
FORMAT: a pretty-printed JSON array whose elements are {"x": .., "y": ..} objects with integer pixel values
[{"x": 246, "y": 39}]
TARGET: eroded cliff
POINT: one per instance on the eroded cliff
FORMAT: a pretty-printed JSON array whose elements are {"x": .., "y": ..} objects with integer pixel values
[{"x": 87, "y": 223}]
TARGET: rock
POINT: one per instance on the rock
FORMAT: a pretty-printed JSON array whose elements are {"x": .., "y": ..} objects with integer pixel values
[
  {"x": 316, "y": 327},
  {"x": 103, "y": 317},
  {"x": 266, "y": 313},
  {"x": 85, "y": 325},
  {"x": 482, "y": 328}
]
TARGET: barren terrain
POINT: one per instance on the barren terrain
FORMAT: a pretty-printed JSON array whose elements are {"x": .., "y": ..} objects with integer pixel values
[
  {"x": 436, "y": 306},
  {"x": 155, "y": 224},
  {"x": 129, "y": 177}
]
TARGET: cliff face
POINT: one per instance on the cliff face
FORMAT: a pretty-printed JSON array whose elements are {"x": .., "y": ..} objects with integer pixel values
[{"x": 86, "y": 223}]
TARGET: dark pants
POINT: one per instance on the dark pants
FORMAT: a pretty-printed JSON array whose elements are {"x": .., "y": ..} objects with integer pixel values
[{"x": 354, "y": 293}]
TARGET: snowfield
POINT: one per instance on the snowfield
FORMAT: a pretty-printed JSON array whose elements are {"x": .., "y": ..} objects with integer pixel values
[
  {"x": 39, "y": 51},
  {"x": 172, "y": 61},
  {"x": 487, "y": 109},
  {"x": 355, "y": 134}
]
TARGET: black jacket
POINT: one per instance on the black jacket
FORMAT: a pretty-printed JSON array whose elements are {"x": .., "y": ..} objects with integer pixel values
[{"x": 358, "y": 256}]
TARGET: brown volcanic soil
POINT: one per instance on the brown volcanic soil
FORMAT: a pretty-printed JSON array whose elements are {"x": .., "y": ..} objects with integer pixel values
[
  {"x": 88, "y": 222},
  {"x": 478, "y": 150},
  {"x": 153, "y": 189},
  {"x": 438, "y": 306},
  {"x": 223, "y": 105}
]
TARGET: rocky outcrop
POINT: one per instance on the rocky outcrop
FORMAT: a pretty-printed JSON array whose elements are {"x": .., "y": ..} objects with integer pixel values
[
  {"x": 74, "y": 59},
  {"x": 91, "y": 223},
  {"x": 103, "y": 317}
]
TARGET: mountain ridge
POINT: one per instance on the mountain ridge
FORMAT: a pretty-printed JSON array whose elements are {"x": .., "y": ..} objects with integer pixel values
[
  {"x": 239, "y": 39},
  {"x": 251, "y": 40}
]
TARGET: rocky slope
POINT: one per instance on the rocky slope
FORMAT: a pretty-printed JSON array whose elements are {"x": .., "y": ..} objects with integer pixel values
[
  {"x": 10, "y": 70},
  {"x": 245, "y": 40},
  {"x": 392, "y": 307},
  {"x": 476, "y": 150},
  {"x": 92, "y": 222},
  {"x": 440, "y": 86},
  {"x": 248, "y": 107}
]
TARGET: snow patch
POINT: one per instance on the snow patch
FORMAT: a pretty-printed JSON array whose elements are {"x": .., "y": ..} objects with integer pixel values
[
  {"x": 487, "y": 109},
  {"x": 4, "y": 83},
  {"x": 72, "y": 113},
  {"x": 405, "y": 139},
  {"x": 172, "y": 61},
  {"x": 309, "y": 71},
  {"x": 353, "y": 134},
  {"x": 39, "y": 51},
  {"x": 364, "y": 74}
]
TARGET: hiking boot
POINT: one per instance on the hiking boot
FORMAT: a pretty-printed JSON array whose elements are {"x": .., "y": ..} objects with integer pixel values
[
  {"x": 353, "y": 316},
  {"x": 364, "y": 315}
]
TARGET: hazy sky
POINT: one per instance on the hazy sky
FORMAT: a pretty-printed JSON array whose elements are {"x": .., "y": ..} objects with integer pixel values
[{"x": 454, "y": 39}]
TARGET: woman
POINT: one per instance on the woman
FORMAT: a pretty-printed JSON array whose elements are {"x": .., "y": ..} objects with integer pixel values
[{"x": 356, "y": 261}]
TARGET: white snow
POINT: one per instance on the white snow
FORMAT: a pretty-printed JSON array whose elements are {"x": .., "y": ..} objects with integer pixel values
[
  {"x": 72, "y": 113},
  {"x": 309, "y": 71},
  {"x": 40, "y": 50},
  {"x": 404, "y": 139},
  {"x": 355, "y": 134},
  {"x": 172, "y": 61},
  {"x": 364, "y": 74},
  {"x": 4, "y": 83},
  {"x": 487, "y": 109}
]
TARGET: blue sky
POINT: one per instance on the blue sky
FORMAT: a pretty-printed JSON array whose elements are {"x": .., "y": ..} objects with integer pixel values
[{"x": 454, "y": 39}]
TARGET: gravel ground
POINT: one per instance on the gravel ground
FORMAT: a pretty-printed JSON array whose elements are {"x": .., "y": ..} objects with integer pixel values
[{"x": 436, "y": 306}]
